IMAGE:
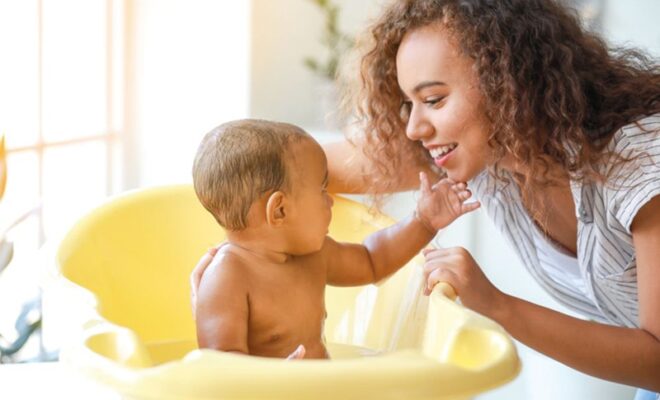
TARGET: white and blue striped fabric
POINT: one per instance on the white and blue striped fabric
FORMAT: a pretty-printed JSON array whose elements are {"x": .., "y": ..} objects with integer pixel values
[{"x": 605, "y": 251}]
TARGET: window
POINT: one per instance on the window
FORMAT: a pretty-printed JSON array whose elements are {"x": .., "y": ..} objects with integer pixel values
[
  {"x": 99, "y": 96},
  {"x": 60, "y": 113},
  {"x": 61, "y": 120}
]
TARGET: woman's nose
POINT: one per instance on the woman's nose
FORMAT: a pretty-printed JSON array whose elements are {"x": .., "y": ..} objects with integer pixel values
[{"x": 418, "y": 127}]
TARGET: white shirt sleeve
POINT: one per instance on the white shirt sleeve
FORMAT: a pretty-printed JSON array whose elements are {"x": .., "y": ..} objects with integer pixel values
[{"x": 634, "y": 183}]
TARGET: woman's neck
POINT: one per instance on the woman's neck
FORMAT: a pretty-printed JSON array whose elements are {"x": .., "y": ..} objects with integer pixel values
[
  {"x": 550, "y": 205},
  {"x": 554, "y": 176}
]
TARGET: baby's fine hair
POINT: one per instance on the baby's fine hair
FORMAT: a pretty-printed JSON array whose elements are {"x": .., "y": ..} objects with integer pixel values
[{"x": 238, "y": 162}]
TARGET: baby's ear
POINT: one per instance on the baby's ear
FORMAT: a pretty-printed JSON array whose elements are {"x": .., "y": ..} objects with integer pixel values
[{"x": 275, "y": 212}]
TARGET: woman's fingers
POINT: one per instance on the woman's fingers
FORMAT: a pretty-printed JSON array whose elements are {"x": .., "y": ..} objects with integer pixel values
[
  {"x": 435, "y": 258},
  {"x": 198, "y": 272},
  {"x": 442, "y": 265},
  {"x": 430, "y": 253},
  {"x": 432, "y": 265},
  {"x": 202, "y": 264},
  {"x": 440, "y": 275},
  {"x": 456, "y": 267}
]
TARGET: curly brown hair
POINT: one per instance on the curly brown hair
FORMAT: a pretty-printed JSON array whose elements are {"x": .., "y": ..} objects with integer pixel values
[{"x": 547, "y": 85}]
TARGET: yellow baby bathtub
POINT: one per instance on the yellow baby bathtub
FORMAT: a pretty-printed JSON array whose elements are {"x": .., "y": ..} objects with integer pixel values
[{"x": 122, "y": 281}]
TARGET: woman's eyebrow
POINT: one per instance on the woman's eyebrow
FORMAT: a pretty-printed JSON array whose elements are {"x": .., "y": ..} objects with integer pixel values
[
  {"x": 325, "y": 178},
  {"x": 425, "y": 84}
]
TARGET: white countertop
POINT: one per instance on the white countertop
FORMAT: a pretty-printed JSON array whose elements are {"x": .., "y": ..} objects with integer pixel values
[{"x": 32, "y": 381}]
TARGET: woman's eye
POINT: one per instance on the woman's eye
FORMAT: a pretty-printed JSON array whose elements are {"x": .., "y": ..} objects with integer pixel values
[
  {"x": 434, "y": 100},
  {"x": 406, "y": 107}
]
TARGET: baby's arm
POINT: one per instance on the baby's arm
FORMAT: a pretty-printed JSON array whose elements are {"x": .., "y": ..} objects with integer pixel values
[
  {"x": 222, "y": 308},
  {"x": 387, "y": 250}
]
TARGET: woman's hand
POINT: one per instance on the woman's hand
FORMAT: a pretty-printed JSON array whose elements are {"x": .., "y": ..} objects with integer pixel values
[
  {"x": 440, "y": 204},
  {"x": 196, "y": 275},
  {"x": 457, "y": 267}
]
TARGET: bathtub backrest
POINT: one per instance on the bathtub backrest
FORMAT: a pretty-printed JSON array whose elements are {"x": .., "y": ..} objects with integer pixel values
[{"x": 135, "y": 253}]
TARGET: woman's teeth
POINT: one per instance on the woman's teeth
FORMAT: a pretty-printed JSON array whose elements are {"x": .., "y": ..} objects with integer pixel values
[{"x": 442, "y": 150}]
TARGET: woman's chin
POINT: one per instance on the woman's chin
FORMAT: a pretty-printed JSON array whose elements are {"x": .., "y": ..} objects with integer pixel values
[
  {"x": 459, "y": 176},
  {"x": 454, "y": 176}
]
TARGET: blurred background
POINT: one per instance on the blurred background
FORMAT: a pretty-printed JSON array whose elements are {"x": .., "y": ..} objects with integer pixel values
[{"x": 102, "y": 96}]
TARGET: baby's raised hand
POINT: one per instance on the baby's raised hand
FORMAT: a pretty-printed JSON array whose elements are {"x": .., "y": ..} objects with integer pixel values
[{"x": 440, "y": 204}]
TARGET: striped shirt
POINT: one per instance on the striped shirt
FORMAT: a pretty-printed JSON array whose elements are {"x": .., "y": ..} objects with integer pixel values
[{"x": 605, "y": 253}]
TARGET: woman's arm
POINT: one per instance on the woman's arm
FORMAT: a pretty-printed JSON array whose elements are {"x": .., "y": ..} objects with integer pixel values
[
  {"x": 347, "y": 166},
  {"x": 625, "y": 355},
  {"x": 630, "y": 356}
]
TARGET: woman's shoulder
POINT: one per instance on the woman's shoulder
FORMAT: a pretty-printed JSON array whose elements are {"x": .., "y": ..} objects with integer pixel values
[
  {"x": 637, "y": 135},
  {"x": 633, "y": 178},
  {"x": 488, "y": 185},
  {"x": 633, "y": 151},
  {"x": 637, "y": 143}
]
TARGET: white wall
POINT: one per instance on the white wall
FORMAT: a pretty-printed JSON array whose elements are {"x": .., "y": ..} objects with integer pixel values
[
  {"x": 187, "y": 72},
  {"x": 633, "y": 22},
  {"x": 284, "y": 32}
]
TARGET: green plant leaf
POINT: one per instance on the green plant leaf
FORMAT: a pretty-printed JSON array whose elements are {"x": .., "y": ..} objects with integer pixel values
[
  {"x": 335, "y": 42},
  {"x": 311, "y": 64}
]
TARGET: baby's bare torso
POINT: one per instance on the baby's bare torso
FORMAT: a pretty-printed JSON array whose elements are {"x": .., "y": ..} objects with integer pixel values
[{"x": 286, "y": 305}]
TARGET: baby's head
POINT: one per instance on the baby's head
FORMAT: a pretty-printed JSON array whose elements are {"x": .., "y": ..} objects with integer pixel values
[{"x": 255, "y": 173}]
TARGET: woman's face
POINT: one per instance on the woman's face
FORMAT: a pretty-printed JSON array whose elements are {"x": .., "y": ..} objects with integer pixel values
[{"x": 442, "y": 96}]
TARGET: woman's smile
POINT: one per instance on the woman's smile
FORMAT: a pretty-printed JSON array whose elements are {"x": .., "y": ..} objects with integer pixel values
[{"x": 442, "y": 153}]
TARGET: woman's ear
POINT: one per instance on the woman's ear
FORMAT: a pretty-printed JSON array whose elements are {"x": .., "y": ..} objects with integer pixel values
[{"x": 275, "y": 212}]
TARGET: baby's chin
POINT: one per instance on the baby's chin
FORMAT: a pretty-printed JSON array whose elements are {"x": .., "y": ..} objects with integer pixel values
[{"x": 309, "y": 248}]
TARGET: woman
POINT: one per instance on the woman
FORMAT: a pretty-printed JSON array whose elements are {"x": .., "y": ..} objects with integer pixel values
[{"x": 560, "y": 141}]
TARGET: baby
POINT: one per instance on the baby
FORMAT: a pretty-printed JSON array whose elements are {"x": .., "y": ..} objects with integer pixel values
[{"x": 263, "y": 293}]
